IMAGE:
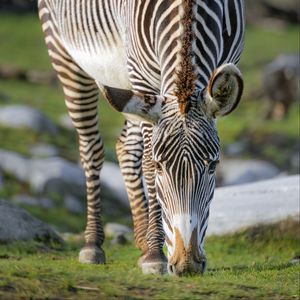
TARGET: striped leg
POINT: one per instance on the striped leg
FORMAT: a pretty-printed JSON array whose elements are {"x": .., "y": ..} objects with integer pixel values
[
  {"x": 154, "y": 261},
  {"x": 130, "y": 152},
  {"x": 81, "y": 97}
]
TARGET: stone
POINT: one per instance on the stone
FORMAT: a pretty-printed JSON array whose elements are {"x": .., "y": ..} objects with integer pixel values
[
  {"x": 236, "y": 207},
  {"x": 28, "y": 200},
  {"x": 238, "y": 171},
  {"x": 43, "y": 151},
  {"x": 295, "y": 260},
  {"x": 113, "y": 185},
  {"x": 55, "y": 175},
  {"x": 66, "y": 122},
  {"x": 235, "y": 149},
  {"x": 18, "y": 225},
  {"x": 73, "y": 205},
  {"x": 114, "y": 229},
  {"x": 48, "y": 176},
  {"x": 21, "y": 116},
  {"x": 1, "y": 180},
  {"x": 15, "y": 164},
  {"x": 119, "y": 240}
]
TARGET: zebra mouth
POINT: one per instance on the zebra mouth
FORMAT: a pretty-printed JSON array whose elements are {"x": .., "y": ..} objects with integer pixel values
[{"x": 187, "y": 269}]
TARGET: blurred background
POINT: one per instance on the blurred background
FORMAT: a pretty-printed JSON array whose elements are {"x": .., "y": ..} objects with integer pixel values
[{"x": 39, "y": 167}]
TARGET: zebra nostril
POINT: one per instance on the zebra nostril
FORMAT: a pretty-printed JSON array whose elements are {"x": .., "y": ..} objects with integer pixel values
[
  {"x": 203, "y": 266},
  {"x": 171, "y": 269}
]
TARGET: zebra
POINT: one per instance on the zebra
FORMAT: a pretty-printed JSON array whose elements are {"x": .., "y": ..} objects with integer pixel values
[{"x": 170, "y": 66}]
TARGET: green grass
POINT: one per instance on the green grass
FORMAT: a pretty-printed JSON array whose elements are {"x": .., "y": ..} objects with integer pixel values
[{"x": 252, "y": 264}]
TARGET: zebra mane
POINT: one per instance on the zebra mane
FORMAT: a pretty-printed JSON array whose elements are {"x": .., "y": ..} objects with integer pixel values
[{"x": 185, "y": 82}]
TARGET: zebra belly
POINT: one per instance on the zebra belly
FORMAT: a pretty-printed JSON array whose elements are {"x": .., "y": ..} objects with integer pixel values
[{"x": 107, "y": 67}]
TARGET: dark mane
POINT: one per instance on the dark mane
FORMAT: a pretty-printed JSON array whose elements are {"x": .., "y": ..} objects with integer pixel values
[{"x": 185, "y": 83}]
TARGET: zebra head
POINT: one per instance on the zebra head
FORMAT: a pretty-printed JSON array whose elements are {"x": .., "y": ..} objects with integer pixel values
[
  {"x": 185, "y": 148},
  {"x": 186, "y": 151}
]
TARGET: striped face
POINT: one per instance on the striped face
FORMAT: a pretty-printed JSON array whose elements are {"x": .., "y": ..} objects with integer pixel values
[{"x": 185, "y": 151}]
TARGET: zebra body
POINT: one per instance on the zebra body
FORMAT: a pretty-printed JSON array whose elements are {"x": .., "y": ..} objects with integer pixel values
[{"x": 170, "y": 64}]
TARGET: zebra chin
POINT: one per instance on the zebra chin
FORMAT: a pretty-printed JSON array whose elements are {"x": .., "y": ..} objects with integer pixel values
[{"x": 185, "y": 254}]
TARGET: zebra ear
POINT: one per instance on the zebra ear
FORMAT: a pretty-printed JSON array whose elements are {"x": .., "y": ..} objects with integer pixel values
[
  {"x": 224, "y": 90},
  {"x": 136, "y": 105}
]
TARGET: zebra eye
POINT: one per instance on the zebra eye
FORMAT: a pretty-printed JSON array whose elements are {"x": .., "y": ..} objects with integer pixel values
[
  {"x": 158, "y": 167},
  {"x": 213, "y": 165}
]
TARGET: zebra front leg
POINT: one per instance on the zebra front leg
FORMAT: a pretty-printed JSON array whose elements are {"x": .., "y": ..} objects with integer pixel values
[
  {"x": 154, "y": 261},
  {"x": 81, "y": 97},
  {"x": 83, "y": 111},
  {"x": 130, "y": 152}
]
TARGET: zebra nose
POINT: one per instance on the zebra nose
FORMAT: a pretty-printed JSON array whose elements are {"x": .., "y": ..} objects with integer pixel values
[{"x": 195, "y": 267}]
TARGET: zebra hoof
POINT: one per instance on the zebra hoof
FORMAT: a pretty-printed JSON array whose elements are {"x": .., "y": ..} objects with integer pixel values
[
  {"x": 154, "y": 268},
  {"x": 153, "y": 263},
  {"x": 92, "y": 255}
]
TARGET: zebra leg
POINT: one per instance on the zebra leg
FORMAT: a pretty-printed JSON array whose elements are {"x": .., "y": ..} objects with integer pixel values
[
  {"x": 81, "y": 97},
  {"x": 155, "y": 261},
  {"x": 130, "y": 152}
]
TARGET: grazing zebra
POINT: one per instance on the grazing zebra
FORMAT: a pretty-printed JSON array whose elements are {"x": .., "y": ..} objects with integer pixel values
[{"x": 169, "y": 67}]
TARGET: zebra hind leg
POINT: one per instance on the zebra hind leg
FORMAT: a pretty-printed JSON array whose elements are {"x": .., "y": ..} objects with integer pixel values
[
  {"x": 81, "y": 97},
  {"x": 129, "y": 150},
  {"x": 82, "y": 106}
]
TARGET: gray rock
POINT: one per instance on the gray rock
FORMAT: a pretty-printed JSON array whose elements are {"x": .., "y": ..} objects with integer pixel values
[
  {"x": 28, "y": 200},
  {"x": 15, "y": 164},
  {"x": 66, "y": 122},
  {"x": 43, "y": 151},
  {"x": 56, "y": 175},
  {"x": 295, "y": 260},
  {"x": 237, "y": 171},
  {"x": 20, "y": 116},
  {"x": 246, "y": 205},
  {"x": 119, "y": 240},
  {"x": 1, "y": 180},
  {"x": 16, "y": 224},
  {"x": 235, "y": 149},
  {"x": 73, "y": 205},
  {"x": 114, "y": 229},
  {"x": 113, "y": 185},
  {"x": 45, "y": 176}
]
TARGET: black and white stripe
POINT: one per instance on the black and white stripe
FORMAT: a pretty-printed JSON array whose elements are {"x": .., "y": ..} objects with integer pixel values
[{"x": 138, "y": 45}]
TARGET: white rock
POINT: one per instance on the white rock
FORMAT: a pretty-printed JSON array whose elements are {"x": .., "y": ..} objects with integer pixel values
[
  {"x": 1, "y": 180},
  {"x": 113, "y": 183},
  {"x": 15, "y": 164},
  {"x": 66, "y": 122},
  {"x": 73, "y": 205},
  {"x": 115, "y": 229},
  {"x": 45, "y": 176},
  {"x": 20, "y": 116},
  {"x": 43, "y": 151},
  {"x": 56, "y": 175},
  {"x": 240, "y": 206},
  {"x": 238, "y": 171}
]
